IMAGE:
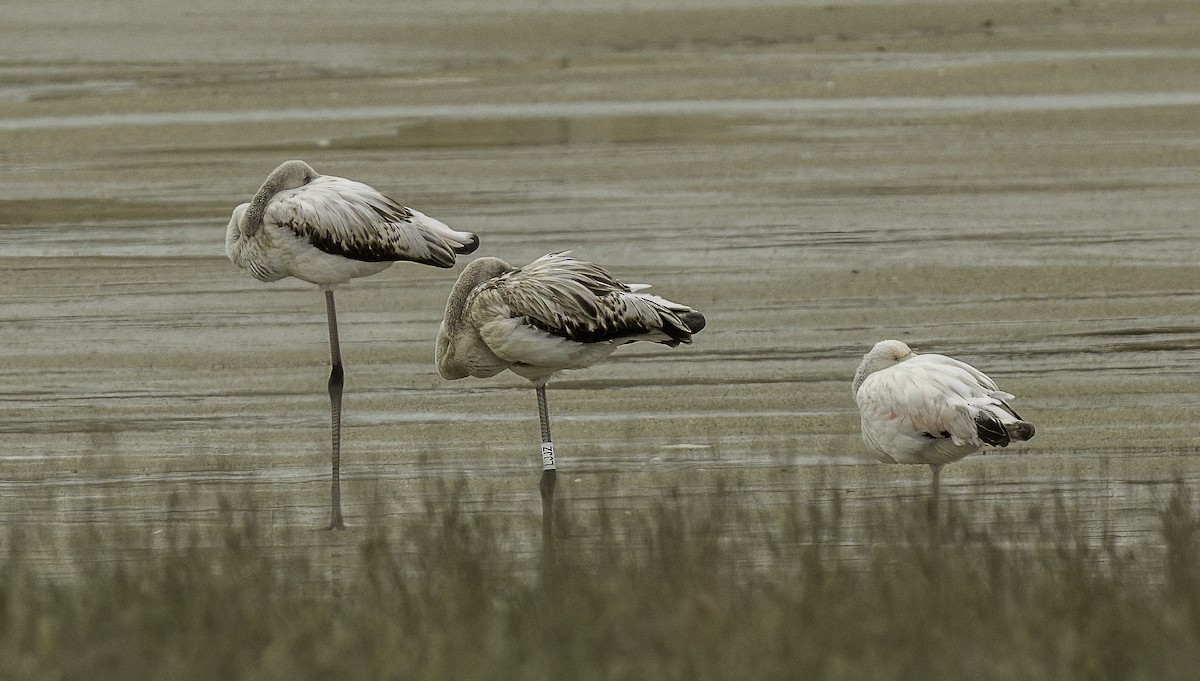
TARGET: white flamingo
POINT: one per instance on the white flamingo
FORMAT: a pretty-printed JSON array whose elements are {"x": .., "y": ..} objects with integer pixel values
[
  {"x": 555, "y": 313},
  {"x": 930, "y": 409},
  {"x": 328, "y": 230}
]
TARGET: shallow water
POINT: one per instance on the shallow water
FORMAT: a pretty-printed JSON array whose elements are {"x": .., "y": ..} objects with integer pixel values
[
  {"x": 1009, "y": 194},
  {"x": 915, "y": 106}
]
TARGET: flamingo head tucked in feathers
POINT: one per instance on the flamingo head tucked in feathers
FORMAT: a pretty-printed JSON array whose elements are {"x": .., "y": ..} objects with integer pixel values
[
  {"x": 886, "y": 353},
  {"x": 293, "y": 174},
  {"x": 476, "y": 272}
]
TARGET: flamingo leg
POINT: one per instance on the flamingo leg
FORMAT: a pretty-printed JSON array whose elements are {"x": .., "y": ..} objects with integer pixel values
[
  {"x": 549, "y": 474},
  {"x": 937, "y": 485},
  {"x": 336, "y": 379}
]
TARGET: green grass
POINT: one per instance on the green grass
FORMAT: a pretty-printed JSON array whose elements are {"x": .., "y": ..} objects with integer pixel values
[{"x": 703, "y": 586}]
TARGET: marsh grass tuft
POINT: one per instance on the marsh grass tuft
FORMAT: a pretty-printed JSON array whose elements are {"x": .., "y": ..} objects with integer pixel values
[{"x": 699, "y": 586}]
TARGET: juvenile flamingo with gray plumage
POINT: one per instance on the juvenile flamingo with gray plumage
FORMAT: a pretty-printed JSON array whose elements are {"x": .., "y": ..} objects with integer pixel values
[
  {"x": 553, "y": 314},
  {"x": 327, "y": 230},
  {"x": 930, "y": 409}
]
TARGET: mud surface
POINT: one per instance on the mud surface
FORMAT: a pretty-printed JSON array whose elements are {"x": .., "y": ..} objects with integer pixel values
[{"x": 1012, "y": 183}]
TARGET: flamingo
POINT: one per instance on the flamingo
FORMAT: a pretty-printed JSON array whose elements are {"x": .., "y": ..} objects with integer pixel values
[
  {"x": 327, "y": 230},
  {"x": 553, "y": 314},
  {"x": 930, "y": 409}
]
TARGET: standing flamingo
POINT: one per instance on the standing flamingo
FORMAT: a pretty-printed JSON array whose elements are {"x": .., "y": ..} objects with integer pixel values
[
  {"x": 328, "y": 230},
  {"x": 555, "y": 313},
  {"x": 930, "y": 409}
]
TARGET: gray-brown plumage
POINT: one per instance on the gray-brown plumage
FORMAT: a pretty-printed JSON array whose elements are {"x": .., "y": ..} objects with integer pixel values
[
  {"x": 327, "y": 230},
  {"x": 555, "y": 313}
]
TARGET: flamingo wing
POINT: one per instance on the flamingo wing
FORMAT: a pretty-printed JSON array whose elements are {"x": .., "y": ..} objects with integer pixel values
[
  {"x": 933, "y": 396},
  {"x": 582, "y": 302},
  {"x": 353, "y": 220}
]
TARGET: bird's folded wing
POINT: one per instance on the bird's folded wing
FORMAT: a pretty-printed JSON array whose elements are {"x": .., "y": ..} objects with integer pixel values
[
  {"x": 920, "y": 398},
  {"x": 350, "y": 219},
  {"x": 582, "y": 302}
]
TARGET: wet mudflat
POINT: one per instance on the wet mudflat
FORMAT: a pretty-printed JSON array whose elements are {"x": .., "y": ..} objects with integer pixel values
[{"x": 1012, "y": 183}]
